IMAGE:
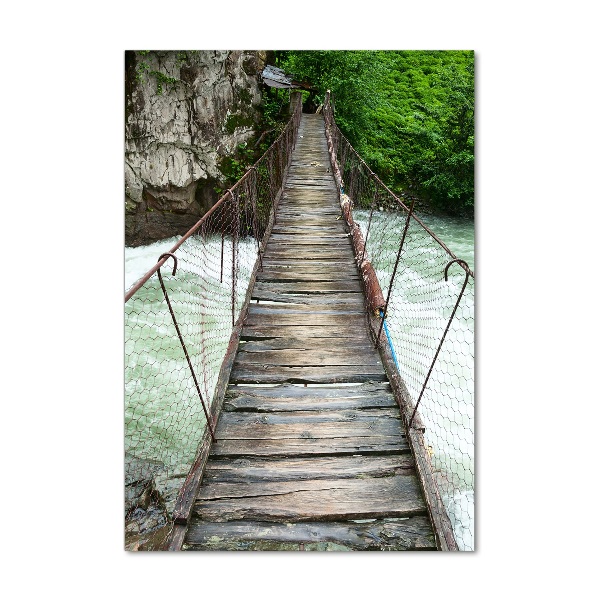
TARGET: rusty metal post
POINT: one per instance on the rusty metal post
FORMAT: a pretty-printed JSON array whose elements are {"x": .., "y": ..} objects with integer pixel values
[
  {"x": 187, "y": 356},
  {"x": 369, "y": 225},
  {"x": 234, "y": 243},
  {"x": 467, "y": 272},
  {"x": 394, "y": 272}
]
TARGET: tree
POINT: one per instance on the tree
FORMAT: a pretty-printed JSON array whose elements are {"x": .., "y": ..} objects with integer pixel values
[{"x": 410, "y": 114}]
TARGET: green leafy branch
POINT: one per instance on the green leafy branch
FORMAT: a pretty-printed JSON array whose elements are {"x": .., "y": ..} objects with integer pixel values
[{"x": 143, "y": 70}]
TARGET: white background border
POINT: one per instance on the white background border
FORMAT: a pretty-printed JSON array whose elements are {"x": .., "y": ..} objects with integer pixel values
[{"x": 537, "y": 326}]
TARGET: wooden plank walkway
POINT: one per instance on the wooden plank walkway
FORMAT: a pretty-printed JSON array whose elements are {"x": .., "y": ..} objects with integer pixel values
[{"x": 317, "y": 467}]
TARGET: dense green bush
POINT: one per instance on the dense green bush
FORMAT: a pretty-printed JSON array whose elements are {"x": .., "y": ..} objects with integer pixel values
[{"x": 410, "y": 114}]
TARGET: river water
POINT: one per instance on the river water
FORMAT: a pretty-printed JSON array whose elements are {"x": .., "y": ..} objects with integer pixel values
[
  {"x": 164, "y": 419},
  {"x": 447, "y": 409}
]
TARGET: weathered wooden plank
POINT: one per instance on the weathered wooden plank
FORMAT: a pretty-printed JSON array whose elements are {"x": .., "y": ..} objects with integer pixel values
[
  {"x": 339, "y": 252},
  {"x": 323, "y": 275},
  {"x": 296, "y": 217},
  {"x": 310, "y": 447},
  {"x": 329, "y": 239},
  {"x": 306, "y": 253},
  {"x": 314, "y": 184},
  {"x": 342, "y": 269},
  {"x": 288, "y": 229},
  {"x": 324, "y": 223},
  {"x": 307, "y": 358},
  {"x": 313, "y": 188},
  {"x": 301, "y": 245},
  {"x": 309, "y": 218},
  {"x": 293, "y": 224},
  {"x": 288, "y": 331},
  {"x": 303, "y": 171},
  {"x": 249, "y": 426},
  {"x": 311, "y": 500},
  {"x": 321, "y": 200},
  {"x": 353, "y": 305},
  {"x": 289, "y": 390},
  {"x": 307, "y": 206},
  {"x": 246, "y": 470},
  {"x": 257, "y": 404},
  {"x": 318, "y": 171},
  {"x": 309, "y": 177},
  {"x": 304, "y": 319},
  {"x": 295, "y": 198},
  {"x": 363, "y": 347},
  {"x": 308, "y": 287},
  {"x": 263, "y": 404},
  {"x": 310, "y": 212},
  {"x": 291, "y": 309},
  {"x": 301, "y": 180},
  {"x": 298, "y": 263},
  {"x": 412, "y": 533},
  {"x": 323, "y": 392},
  {"x": 341, "y": 299},
  {"x": 252, "y": 373},
  {"x": 369, "y": 420}
]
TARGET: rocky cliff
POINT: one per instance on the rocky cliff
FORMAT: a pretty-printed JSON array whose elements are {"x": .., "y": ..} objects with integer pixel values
[{"x": 185, "y": 112}]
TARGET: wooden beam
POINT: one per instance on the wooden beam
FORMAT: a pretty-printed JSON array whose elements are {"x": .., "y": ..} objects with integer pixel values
[{"x": 412, "y": 533}]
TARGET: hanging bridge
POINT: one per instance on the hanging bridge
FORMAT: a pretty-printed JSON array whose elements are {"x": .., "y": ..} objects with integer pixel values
[{"x": 280, "y": 411}]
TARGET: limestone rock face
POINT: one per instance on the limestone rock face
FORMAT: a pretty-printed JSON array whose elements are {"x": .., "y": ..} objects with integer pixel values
[{"x": 184, "y": 113}]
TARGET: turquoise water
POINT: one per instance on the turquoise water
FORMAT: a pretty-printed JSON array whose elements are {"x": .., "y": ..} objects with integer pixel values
[{"x": 164, "y": 418}]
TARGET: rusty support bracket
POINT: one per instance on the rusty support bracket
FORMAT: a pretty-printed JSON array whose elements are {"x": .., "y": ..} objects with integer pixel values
[
  {"x": 467, "y": 272},
  {"x": 162, "y": 285}
]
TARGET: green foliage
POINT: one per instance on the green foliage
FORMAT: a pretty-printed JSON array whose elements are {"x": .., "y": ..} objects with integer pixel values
[
  {"x": 143, "y": 69},
  {"x": 410, "y": 114},
  {"x": 272, "y": 109},
  {"x": 161, "y": 79},
  {"x": 234, "y": 167},
  {"x": 244, "y": 96},
  {"x": 237, "y": 120},
  {"x": 352, "y": 76}
]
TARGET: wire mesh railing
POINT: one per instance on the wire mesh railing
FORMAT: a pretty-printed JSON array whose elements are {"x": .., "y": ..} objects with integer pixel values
[
  {"x": 177, "y": 336},
  {"x": 421, "y": 300}
]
